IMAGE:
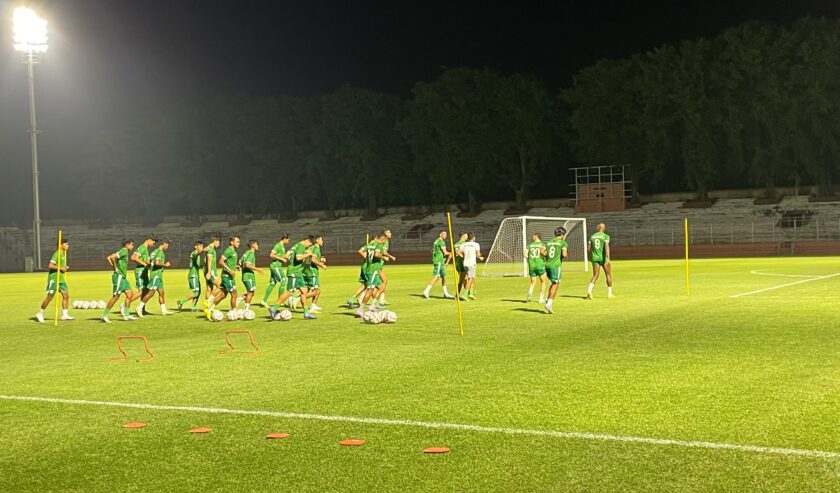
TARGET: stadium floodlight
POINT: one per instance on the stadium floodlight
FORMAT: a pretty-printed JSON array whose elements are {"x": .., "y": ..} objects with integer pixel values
[{"x": 30, "y": 37}]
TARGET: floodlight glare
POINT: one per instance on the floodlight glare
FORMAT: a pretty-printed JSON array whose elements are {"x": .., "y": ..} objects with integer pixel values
[{"x": 29, "y": 31}]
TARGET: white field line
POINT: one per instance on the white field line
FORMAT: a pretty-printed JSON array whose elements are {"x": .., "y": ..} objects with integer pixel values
[
  {"x": 447, "y": 426},
  {"x": 780, "y": 286},
  {"x": 761, "y": 273}
]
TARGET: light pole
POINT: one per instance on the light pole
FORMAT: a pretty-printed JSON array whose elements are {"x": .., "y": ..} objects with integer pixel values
[{"x": 30, "y": 36}]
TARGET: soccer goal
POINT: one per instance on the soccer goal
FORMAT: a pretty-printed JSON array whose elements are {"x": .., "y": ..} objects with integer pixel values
[{"x": 506, "y": 255}]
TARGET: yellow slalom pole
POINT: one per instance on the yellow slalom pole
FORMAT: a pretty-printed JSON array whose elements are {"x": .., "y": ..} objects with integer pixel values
[
  {"x": 57, "y": 281},
  {"x": 367, "y": 238},
  {"x": 687, "y": 284},
  {"x": 457, "y": 293}
]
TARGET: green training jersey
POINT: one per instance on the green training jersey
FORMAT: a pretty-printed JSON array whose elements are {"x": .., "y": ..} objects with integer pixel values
[
  {"x": 371, "y": 262},
  {"x": 196, "y": 263},
  {"x": 296, "y": 266},
  {"x": 278, "y": 250},
  {"x": 230, "y": 258},
  {"x": 248, "y": 258},
  {"x": 554, "y": 252},
  {"x": 157, "y": 257},
  {"x": 535, "y": 256},
  {"x": 598, "y": 242},
  {"x": 309, "y": 268},
  {"x": 459, "y": 260},
  {"x": 437, "y": 251},
  {"x": 121, "y": 263},
  {"x": 210, "y": 260},
  {"x": 54, "y": 262},
  {"x": 142, "y": 252}
]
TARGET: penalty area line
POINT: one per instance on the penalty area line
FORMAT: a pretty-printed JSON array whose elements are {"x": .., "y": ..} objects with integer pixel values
[
  {"x": 445, "y": 426},
  {"x": 780, "y": 286}
]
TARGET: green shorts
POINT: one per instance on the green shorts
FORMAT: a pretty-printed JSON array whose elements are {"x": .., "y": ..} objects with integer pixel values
[
  {"x": 553, "y": 274},
  {"x": 250, "y": 281},
  {"x": 277, "y": 276},
  {"x": 195, "y": 284},
  {"x": 536, "y": 271},
  {"x": 119, "y": 284},
  {"x": 62, "y": 285},
  {"x": 599, "y": 261},
  {"x": 374, "y": 280},
  {"x": 312, "y": 282},
  {"x": 438, "y": 270},
  {"x": 141, "y": 278},
  {"x": 228, "y": 283},
  {"x": 295, "y": 282},
  {"x": 363, "y": 276},
  {"x": 155, "y": 282},
  {"x": 211, "y": 283}
]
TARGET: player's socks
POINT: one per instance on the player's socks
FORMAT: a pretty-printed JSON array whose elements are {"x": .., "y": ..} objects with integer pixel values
[
  {"x": 122, "y": 309},
  {"x": 140, "y": 309},
  {"x": 446, "y": 293},
  {"x": 40, "y": 315},
  {"x": 163, "y": 310},
  {"x": 549, "y": 306},
  {"x": 589, "y": 290},
  {"x": 530, "y": 293},
  {"x": 65, "y": 315},
  {"x": 427, "y": 291},
  {"x": 105, "y": 312}
]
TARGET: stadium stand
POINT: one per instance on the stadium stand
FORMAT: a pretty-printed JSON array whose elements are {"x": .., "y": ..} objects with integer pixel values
[{"x": 727, "y": 222}]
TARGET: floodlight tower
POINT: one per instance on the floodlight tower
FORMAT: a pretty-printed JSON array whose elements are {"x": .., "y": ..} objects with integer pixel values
[{"x": 30, "y": 37}]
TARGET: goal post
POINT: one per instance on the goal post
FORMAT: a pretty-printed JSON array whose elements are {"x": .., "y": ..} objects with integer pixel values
[{"x": 506, "y": 255}]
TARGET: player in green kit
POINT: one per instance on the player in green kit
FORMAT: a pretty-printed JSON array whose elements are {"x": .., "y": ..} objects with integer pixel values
[
  {"x": 157, "y": 262},
  {"x": 140, "y": 257},
  {"x": 297, "y": 255},
  {"x": 56, "y": 281},
  {"x": 119, "y": 281},
  {"x": 211, "y": 278},
  {"x": 440, "y": 258},
  {"x": 599, "y": 254},
  {"x": 351, "y": 302},
  {"x": 229, "y": 264},
  {"x": 374, "y": 256},
  {"x": 248, "y": 264},
  {"x": 311, "y": 274},
  {"x": 386, "y": 247},
  {"x": 556, "y": 250},
  {"x": 459, "y": 264},
  {"x": 194, "y": 276},
  {"x": 275, "y": 268},
  {"x": 535, "y": 253}
]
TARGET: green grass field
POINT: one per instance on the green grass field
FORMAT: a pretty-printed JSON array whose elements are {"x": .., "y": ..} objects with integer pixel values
[{"x": 759, "y": 370}]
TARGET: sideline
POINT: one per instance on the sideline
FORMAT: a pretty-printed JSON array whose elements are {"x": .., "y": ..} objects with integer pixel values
[{"x": 439, "y": 425}]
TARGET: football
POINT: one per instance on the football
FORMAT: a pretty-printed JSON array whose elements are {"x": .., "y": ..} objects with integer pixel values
[
  {"x": 285, "y": 315},
  {"x": 101, "y": 304},
  {"x": 218, "y": 316},
  {"x": 389, "y": 316},
  {"x": 372, "y": 317},
  {"x": 232, "y": 315},
  {"x": 85, "y": 305},
  {"x": 77, "y": 304},
  {"x": 249, "y": 314}
]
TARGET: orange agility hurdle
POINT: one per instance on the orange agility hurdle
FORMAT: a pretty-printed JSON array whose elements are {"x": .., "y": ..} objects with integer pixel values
[
  {"x": 233, "y": 347},
  {"x": 125, "y": 355}
]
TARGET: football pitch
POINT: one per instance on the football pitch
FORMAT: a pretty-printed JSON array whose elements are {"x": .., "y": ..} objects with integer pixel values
[{"x": 734, "y": 388}]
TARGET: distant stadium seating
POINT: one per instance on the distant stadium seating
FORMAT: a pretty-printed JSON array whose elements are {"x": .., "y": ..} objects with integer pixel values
[{"x": 728, "y": 221}]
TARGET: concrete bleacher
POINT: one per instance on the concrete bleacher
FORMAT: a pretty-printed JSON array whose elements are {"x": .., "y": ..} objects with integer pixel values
[{"x": 727, "y": 221}]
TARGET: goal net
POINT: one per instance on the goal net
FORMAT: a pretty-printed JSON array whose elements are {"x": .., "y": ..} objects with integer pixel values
[{"x": 506, "y": 255}]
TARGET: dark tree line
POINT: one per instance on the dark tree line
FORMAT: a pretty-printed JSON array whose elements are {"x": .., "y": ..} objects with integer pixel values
[{"x": 757, "y": 105}]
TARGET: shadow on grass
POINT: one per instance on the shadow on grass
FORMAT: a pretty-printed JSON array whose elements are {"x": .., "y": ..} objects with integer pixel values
[
  {"x": 516, "y": 301},
  {"x": 573, "y": 296},
  {"x": 532, "y": 310}
]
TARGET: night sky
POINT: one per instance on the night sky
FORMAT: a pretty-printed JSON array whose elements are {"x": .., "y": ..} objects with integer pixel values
[{"x": 109, "y": 59}]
